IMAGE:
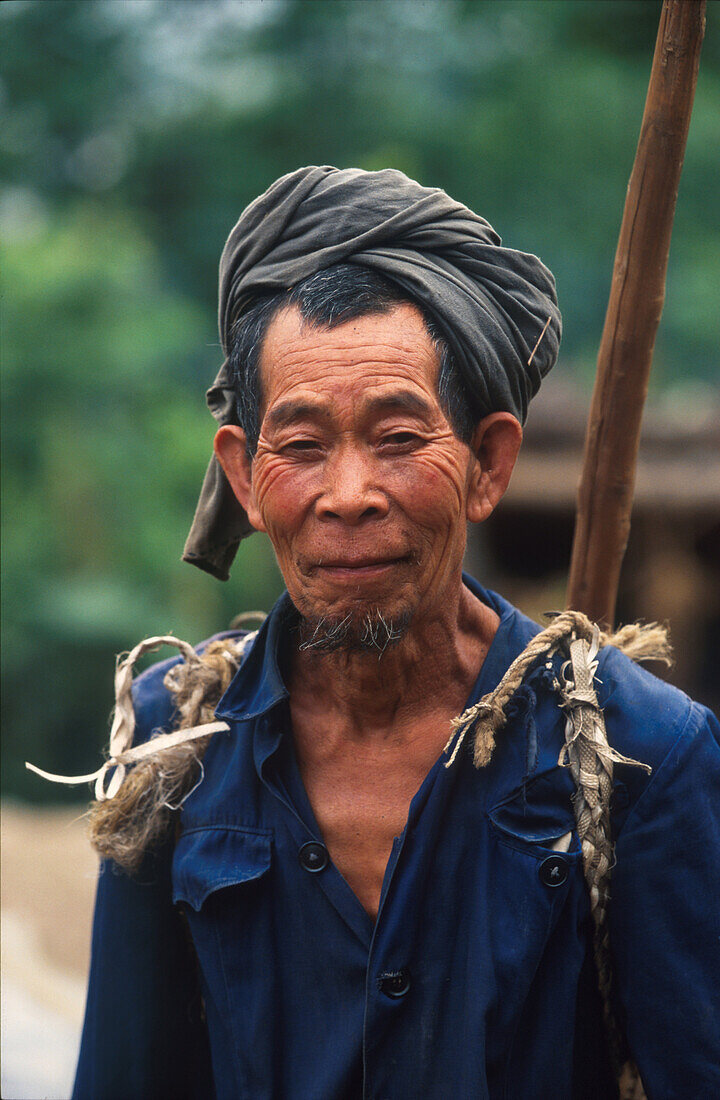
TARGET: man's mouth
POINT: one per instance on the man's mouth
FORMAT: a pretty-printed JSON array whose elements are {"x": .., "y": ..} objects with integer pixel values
[{"x": 358, "y": 568}]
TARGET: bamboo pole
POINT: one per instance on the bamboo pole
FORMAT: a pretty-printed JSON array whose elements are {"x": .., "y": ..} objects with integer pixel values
[{"x": 637, "y": 294}]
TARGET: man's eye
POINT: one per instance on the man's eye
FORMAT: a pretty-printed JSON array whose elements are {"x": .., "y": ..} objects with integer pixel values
[
  {"x": 301, "y": 446},
  {"x": 401, "y": 439}
]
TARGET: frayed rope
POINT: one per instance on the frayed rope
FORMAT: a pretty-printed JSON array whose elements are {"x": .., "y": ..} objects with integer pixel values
[
  {"x": 138, "y": 787},
  {"x": 484, "y": 719}
]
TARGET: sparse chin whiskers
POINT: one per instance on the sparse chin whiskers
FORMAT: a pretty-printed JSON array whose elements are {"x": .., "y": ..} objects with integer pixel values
[{"x": 353, "y": 634}]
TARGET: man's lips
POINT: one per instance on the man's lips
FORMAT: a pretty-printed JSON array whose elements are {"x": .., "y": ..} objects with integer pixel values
[{"x": 358, "y": 567}]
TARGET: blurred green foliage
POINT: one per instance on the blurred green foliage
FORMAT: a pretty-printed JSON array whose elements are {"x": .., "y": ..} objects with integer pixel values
[{"x": 133, "y": 135}]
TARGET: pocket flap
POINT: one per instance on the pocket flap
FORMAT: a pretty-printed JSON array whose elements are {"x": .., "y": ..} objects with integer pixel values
[
  {"x": 541, "y": 812},
  {"x": 213, "y": 857}
]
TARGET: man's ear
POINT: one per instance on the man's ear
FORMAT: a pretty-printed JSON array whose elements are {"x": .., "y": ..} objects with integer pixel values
[
  {"x": 231, "y": 452},
  {"x": 495, "y": 444}
]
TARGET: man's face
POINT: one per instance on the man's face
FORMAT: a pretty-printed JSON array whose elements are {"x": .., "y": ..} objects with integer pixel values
[{"x": 358, "y": 478}]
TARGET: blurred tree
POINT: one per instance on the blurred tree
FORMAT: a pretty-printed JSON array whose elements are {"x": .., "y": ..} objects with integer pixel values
[
  {"x": 529, "y": 109},
  {"x": 134, "y": 133},
  {"x": 104, "y": 454}
]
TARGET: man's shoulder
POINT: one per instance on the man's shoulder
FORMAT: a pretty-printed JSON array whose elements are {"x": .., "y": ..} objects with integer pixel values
[
  {"x": 153, "y": 702},
  {"x": 644, "y": 715}
]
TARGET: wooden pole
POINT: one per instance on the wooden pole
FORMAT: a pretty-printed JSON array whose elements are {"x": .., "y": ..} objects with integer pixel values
[{"x": 637, "y": 294}]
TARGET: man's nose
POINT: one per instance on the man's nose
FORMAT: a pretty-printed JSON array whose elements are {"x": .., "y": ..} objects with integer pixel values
[{"x": 352, "y": 493}]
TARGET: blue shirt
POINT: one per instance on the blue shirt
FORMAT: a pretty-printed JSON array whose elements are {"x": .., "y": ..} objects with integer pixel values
[{"x": 240, "y": 964}]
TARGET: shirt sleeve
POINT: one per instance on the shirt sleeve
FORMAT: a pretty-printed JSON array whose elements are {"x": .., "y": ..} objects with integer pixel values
[
  {"x": 144, "y": 1035},
  {"x": 665, "y": 917}
]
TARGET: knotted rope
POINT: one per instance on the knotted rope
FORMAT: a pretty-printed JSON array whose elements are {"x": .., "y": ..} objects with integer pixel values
[
  {"x": 149, "y": 781},
  {"x": 488, "y": 716},
  {"x": 590, "y": 758}
]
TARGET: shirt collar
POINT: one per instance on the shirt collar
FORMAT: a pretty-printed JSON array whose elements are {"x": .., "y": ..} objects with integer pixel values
[
  {"x": 258, "y": 684},
  {"x": 513, "y": 634}
]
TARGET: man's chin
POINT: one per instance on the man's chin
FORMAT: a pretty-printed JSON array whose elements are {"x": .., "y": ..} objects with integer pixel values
[{"x": 355, "y": 630}]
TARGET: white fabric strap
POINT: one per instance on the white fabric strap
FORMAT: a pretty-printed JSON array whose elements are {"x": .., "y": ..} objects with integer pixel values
[
  {"x": 130, "y": 756},
  {"x": 121, "y": 750}
]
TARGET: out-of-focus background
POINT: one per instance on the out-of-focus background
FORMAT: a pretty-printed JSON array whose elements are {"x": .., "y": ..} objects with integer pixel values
[{"x": 134, "y": 132}]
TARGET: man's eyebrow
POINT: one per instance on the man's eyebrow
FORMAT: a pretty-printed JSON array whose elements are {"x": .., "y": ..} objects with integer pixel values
[
  {"x": 398, "y": 401},
  {"x": 289, "y": 412}
]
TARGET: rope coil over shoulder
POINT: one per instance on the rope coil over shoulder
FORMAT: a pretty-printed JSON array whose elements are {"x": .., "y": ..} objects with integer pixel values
[
  {"x": 591, "y": 759},
  {"x": 132, "y": 809},
  {"x": 121, "y": 753}
]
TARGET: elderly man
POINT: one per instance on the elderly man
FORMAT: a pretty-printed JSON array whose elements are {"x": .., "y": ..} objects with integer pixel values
[{"x": 345, "y": 909}]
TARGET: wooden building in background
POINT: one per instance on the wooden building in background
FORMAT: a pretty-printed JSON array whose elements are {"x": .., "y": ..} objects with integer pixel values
[{"x": 671, "y": 571}]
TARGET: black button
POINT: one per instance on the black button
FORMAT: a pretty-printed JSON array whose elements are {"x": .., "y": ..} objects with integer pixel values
[
  {"x": 553, "y": 871},
  {"x": 313, "y": 856},
  {"x": 396, "y": 983}
]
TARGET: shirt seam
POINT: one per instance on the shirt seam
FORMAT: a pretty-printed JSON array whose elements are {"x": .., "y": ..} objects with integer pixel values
[
  {"x": 656, "y": 771},
  {"x": 226, "y": 829}
]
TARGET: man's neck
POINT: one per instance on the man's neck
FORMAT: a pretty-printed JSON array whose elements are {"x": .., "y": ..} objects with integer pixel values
[{"x": 365, "y": 695}]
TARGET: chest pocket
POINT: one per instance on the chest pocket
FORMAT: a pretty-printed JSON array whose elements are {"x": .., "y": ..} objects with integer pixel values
[
  {"x": 212, "y": 858},
  {"x": 538, "y": 816},
  {"x": 222, "y": 879}
]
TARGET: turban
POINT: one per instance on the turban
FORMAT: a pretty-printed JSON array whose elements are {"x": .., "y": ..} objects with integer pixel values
[{"x": 493, "y": 304}]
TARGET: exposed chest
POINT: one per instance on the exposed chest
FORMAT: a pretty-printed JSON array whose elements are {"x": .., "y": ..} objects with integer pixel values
[{"x": 361, "y": 801}]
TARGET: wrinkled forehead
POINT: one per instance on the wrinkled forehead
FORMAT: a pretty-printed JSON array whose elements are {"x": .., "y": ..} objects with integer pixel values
[{"x": 359, "y": 357}]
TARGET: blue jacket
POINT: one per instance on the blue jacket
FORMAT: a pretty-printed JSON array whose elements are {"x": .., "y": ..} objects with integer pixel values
[{"x": 240, "y": 964}]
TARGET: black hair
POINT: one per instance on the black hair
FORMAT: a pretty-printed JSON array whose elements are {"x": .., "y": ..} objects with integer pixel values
[{"x": 328, "y": 298}]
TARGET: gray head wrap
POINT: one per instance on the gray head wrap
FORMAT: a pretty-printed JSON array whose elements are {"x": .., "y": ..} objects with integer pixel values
[{"x": 492, "y": 303}]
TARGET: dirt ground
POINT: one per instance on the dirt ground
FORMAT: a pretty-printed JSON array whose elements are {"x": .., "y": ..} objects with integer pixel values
[{"x": 48, "y": 875}]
